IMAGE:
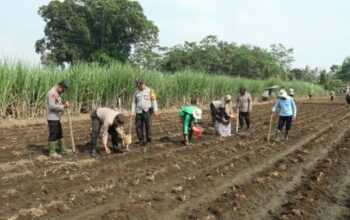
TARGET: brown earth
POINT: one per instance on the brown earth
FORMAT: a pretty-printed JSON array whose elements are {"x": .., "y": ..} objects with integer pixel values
[{"x": 239, "y": 177}]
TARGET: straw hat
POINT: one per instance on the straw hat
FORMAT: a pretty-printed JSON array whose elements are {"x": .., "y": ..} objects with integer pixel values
[
  {"x": 197, "y": 113},
  {"x": 283, "y": 93}
]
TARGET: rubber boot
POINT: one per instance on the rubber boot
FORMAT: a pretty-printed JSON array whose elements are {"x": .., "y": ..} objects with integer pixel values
[
  {"x": 117, "y": 149},
  {"x": 52, "y": 150},
  {"x": 64, "y": 150},
  {"x": 286, "y": 136},
  {"x": 187, "y": 140},
  {"x": 277, "y": 137},
  {"x": 93, "y": 148}
]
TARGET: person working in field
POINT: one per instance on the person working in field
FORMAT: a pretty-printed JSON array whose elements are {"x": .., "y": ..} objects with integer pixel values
[
  {"x": 291, "y": 93},
  {"x": 109, "y": 122},
  {"x": 223, "y": 123},
  {"x": 287, "y": 114},
  {"x": 189, "y": 116},
  {"x": 347, "y": 98},
  {"x": 332, "y": 94},
  {"x": 244, "y": 106},
  {"x": 215, "y": 105},
  {"x": 144, "y": 103},
  {"x": 53, "y": 115}
]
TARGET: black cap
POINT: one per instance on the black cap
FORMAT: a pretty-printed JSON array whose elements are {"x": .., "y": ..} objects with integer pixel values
[
  {"x": 120, "y": 119},
  {"x": 64, "y": 84},
  {"x": 140, "y": 81}
]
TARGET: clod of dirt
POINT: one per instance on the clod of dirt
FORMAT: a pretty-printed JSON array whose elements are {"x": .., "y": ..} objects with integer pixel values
[
  {"x": 294, "y": 160},
  {"x": 182, "y": 198},
  {"x": 177, "y": 166},
  {"x": 282, "y": 166},
  {"x": 297, "y": 212},
  {"x": 135, "y": 182},
  {"x": 151, "y": 178},
  {"x": 99, "y": 200},
  {"x": 319, "y": 177},
  {"x": 259, "y": 180},
  {"x": 176, "y": 189},
  {"x": 283, "y": 217},
  {"x": 190, "y": 178},
  {"x": 209, "y": 217},
  {"x": 275, "y": 174},
  {"x": 240, "y": 196},
  {"x": 235, "y": 206}
]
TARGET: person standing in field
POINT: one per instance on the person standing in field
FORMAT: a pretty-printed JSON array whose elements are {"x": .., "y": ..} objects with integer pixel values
[
  {"x": 332, "y": 94},
  {"x": 53, "y": 115},
  {"x": 109, "y": 122},
  {"x": 144, "y": 103},
  {"x": 291, "y": 93},
  {"x": 215, "y": 105},
  {"x": 287, "y": 114},
  {"x": 244, "y": 106},
  {"x": 189, "y": 116}
]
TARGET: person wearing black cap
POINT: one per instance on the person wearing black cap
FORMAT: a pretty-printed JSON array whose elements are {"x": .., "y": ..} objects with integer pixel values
[
  {"x": 109, "y": 122},
  {"x": 244, "y": 105},
  {"x": 53, "y": 116},
  {"x": 144, "y": 104}
]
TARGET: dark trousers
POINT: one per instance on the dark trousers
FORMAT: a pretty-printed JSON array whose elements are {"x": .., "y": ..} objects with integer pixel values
[
  {"x": 55, "y": 130},
  {"x": 95, "y": 131},
  {"x": 244, "y": 116},
  {"x": 332, "y": 98},
  {"x": 213, "y": 112},
  {"x": 285, "y": 120},
  {"x": 142, "y": 120},
  {"x": 189, "y": 125}
]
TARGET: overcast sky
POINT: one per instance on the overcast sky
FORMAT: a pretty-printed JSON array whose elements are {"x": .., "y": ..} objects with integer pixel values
[{"x": 316, "y": 29}]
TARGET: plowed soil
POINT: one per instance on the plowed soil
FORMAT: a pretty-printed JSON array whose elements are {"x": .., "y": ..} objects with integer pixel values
[{"x": 238, "y": 177}]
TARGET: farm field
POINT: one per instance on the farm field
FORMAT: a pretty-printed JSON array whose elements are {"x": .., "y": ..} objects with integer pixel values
[{"x": 239, "y": 177}]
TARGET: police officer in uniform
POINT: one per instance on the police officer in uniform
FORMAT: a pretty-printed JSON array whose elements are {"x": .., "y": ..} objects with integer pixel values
[{"x": 144, "y": 104}]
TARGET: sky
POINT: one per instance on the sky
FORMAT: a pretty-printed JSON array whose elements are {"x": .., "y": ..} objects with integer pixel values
[{"x": 317, "y": 30}]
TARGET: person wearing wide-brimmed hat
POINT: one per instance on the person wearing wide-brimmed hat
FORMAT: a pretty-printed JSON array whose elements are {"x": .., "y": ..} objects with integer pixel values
[
  {"x": 189, "y": 116},
  {"x": 288, "y": 113},
  {"x": 244, "y": 105},
  {"x": 226, "y": 103},
  {"x": 53, "y": 115}
]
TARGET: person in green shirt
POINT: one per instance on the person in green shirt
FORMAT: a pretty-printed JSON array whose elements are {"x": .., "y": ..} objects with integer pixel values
[{"x": 189, "y": 115}]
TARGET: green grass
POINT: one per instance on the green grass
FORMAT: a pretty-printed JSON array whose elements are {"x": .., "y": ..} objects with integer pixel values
[{"x": 23, "y": 87}]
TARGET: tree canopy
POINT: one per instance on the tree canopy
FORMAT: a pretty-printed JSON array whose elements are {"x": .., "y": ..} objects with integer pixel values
[{"x": 93, "y": 30}]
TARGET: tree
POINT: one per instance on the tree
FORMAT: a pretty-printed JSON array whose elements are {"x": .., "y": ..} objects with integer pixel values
[
  {"x": 214, "y": 56},
  {"x": 344, "y": 72},
  {"x": 283, "y": 56},
  {"x": 93, "y": 30}
]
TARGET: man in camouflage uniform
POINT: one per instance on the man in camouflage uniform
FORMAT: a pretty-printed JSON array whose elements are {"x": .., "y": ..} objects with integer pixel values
[{"x": 144, "y": 104}]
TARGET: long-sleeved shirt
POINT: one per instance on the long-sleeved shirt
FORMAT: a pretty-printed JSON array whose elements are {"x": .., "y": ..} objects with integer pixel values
[
  {"x": 244, "y": 102},
  {"x": 144, "y": 100},
  {"x": 187, "y": 114},
  {"x": 287, "y": 106},
  {"x": 106, "y": 117},
  {"x": 54, "y": 105}
]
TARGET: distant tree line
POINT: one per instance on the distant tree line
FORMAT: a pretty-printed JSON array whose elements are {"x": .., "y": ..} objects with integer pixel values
[{"x": 106, "y": 31}]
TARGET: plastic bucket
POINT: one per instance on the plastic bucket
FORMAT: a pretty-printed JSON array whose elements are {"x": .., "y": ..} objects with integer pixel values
[{"x": 197, "y": 131}]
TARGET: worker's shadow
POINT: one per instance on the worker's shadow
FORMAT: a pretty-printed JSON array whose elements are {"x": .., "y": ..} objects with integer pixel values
[
  {"x": 38, "y": 148},
  {"x": 171, "y": 140},
  {"x": 83, "y": 148}
]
